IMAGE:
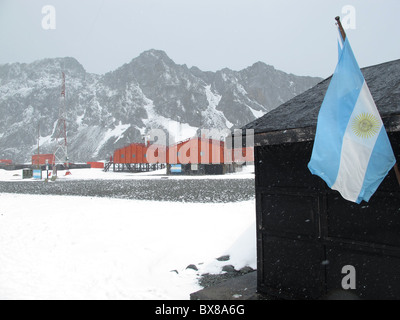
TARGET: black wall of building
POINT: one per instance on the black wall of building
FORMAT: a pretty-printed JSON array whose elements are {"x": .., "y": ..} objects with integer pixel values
[{"x": 306, "y": 232}]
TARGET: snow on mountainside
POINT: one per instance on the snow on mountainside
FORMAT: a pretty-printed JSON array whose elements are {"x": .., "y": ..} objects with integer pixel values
[{"x": 109, "y": 111}]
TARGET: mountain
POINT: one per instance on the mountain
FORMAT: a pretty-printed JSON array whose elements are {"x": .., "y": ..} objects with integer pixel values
[{"x": 105, "y": 112}]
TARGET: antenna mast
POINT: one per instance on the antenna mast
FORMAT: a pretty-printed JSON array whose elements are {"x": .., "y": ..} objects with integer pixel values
[{"x": 61, "y": 151}]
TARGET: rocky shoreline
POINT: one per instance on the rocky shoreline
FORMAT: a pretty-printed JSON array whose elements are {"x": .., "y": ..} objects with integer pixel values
[{"x": 207, "y": 280}]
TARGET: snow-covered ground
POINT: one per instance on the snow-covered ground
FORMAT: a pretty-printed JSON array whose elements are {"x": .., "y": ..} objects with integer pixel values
[
  {"x": 94, "y": 174},
  {"x": 65, "y": 247}
]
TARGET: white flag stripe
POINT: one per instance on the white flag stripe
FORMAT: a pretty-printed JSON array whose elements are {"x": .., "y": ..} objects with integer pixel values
[
  {"x": 353, "y": 166},
  {"x": 357, "y": 147},
  {"x": 340, "y": 39}
]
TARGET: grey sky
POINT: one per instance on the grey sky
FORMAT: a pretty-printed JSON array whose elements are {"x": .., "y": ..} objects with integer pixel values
[{"x": 294, "y": 36}]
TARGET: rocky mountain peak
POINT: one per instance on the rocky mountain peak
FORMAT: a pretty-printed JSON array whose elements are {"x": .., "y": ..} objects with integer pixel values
[
  {"x": 108, "y": 111},
  {"x": 154, "y": 54},
  {"x": 262, "y": 67}
]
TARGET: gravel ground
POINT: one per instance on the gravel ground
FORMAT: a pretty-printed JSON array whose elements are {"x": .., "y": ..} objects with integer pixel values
[
  {"x": 191, "y": 190},
  {"x": 210, "y": 280}
]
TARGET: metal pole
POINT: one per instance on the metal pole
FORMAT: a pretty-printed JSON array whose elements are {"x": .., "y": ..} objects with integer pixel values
[
  {"x": 396, "y": 170},
  {"x": 38, "y": 144},
  {"x": 47, "y": 168},
  {"x": 342, "y": 32}
]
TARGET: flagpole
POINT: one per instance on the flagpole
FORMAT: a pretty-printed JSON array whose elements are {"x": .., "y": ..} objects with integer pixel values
[
  {"x": 341, "y": 29},
  {"x": 396, "y": 170}
]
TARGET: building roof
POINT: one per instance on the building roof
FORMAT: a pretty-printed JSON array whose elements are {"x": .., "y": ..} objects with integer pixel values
[{"x": 296, "y": 120}]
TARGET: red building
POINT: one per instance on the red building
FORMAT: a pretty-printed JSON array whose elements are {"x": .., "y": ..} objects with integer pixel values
[
  {"x": 135, "y": 153},
  {"x": 192, "y": 156},
  {"x": 5, "y": 161},
  {"x": 197, "y": 151},
  {"x": 41, "y": 159},
  {"x": 97, "y": 165}
]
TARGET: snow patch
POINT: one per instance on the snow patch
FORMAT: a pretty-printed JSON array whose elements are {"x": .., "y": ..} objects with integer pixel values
[
  {"x": 110, "y": 133},
  {"x": 179, "y": 131},
  {"x": 45, "y": 140},
  {"x": 241, "y": 89},
  {"x": 24, "y": 92},
  {"x": 99, "y": 174},
  {"x": 215, "y": 117},
  {"x": 257, "y": 113},
  {"x": 79, "y": 120}
]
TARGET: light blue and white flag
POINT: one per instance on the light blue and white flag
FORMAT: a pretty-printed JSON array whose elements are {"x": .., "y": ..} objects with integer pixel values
[{"x": 352, "y": 151}]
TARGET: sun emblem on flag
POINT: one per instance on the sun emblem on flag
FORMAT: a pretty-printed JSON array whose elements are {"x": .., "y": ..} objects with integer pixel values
[{"x": 365, "y": 125}]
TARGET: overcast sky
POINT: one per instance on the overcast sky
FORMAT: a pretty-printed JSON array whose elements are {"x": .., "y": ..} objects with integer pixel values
[{"x": 294, "y": 36}]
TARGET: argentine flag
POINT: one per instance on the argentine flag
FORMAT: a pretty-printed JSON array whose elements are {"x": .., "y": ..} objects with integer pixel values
[{"x": 352, "y": 151}]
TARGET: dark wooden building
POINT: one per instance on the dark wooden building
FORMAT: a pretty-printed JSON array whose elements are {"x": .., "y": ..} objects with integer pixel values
[{"x": 306, "y": 232}]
